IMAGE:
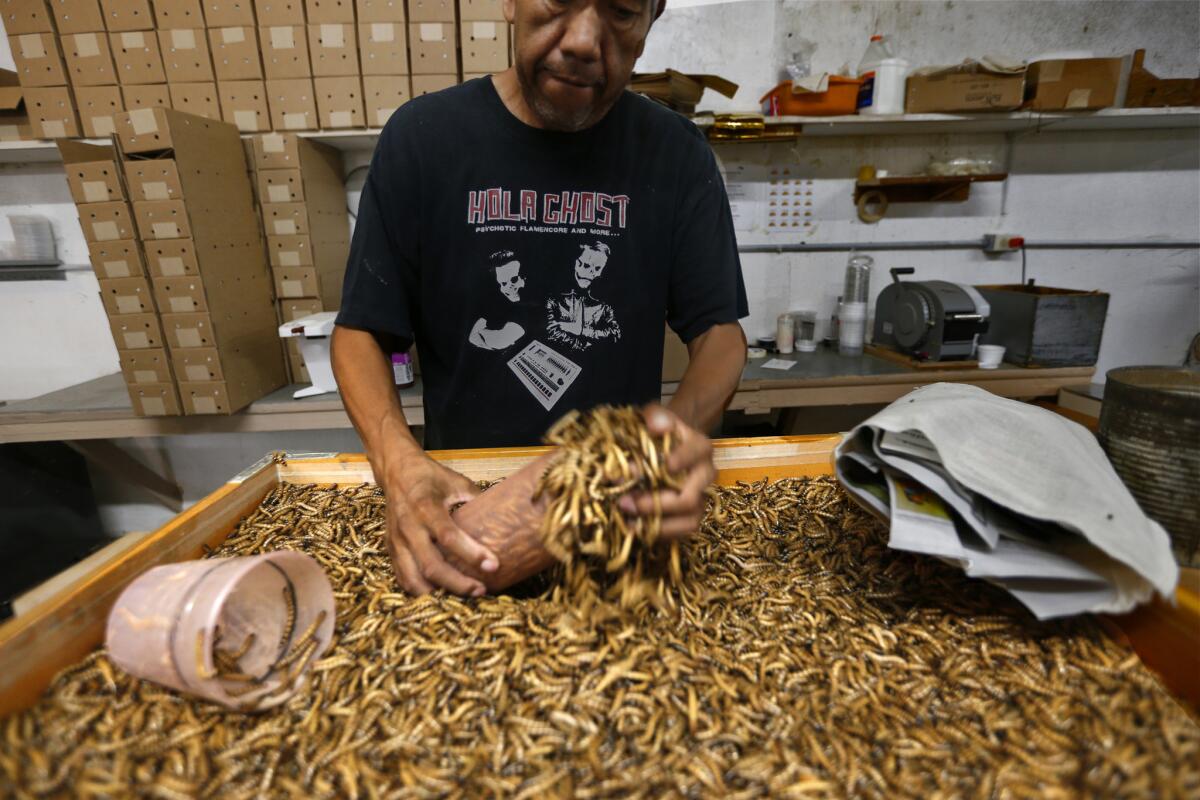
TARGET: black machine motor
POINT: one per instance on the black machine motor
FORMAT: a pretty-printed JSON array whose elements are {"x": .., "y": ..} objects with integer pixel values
[{"x": 931, "y": 320}]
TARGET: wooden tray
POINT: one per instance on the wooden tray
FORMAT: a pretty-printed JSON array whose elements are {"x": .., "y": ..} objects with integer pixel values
[{"x": 889, "y": 354}]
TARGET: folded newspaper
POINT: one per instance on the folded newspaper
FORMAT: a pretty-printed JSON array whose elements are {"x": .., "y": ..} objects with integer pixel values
[{"x": 1011, "y": 493}]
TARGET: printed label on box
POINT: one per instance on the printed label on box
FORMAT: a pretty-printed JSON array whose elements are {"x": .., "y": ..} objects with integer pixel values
[
  {"x": 129, "y": 304},
  {"x": 54, "y": 129},
  {"x": 279, "y": 194},
  {"x": 331, "y": 36},
  {"x": 182, "y": 305},
  {"x": 31, "y": 46},
  {"x": 95, "y": 191},
  {"x": 232, "y": 35},
  {"x": 1050, "y": 71},
  {"x": 143, "y": 121},
  {"x": 383, "y": 32},
  {"x": 183, "y": 39},
  {"x": 171, "y": 265},
  {"x": 282, "y": 38},
  {"x": 86, "y": 45},
  {"x": 156, "y": 190},
  {"x": 289, "y": 258},
  {"x": 483, "y": 30},
  {"x": 341, "y": 119},
  {"x": 165, "y": 230},
  {"x": 198, "y": 372},
  {"x": 115, "y": 269},
  {"x": 292, "y": 288},
  {"x": 154, "y": 407},
  {"x": 432, "y": 32},
  {"x": 105, "y": 231},
  {"x": 145, "y": 376},
  {"x": 272, "y": 143},
  {"x": 1078, "y": 98},
  {"x": 189, "y": 337},
  {"x": 204, "y": 405},
  {"x": 104, "y": 126},
  {"x": 246, "y": 120},
  {"x": 295, "y": 121},
  {"x": 133, "y": 41},
  {"x": 285, "y": 227},
  {"x": 382, "y": 115},
  {"x": 136, "y": 340}
]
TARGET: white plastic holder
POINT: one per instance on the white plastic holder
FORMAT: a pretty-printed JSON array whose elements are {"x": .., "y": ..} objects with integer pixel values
[{"x": 313, "y": 333}]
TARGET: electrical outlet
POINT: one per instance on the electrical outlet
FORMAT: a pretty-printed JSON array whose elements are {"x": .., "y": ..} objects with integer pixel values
[{"x": 1002, "y": 243}]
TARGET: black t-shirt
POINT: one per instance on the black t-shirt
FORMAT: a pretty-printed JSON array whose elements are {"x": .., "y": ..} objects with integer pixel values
[{"x": 534, "y": 268}]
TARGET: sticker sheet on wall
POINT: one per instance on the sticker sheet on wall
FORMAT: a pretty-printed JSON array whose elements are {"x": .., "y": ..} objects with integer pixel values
[{"x": 789, "y": 201}]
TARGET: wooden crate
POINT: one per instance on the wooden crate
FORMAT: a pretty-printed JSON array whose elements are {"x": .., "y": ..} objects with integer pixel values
[{"x": 68, "y": 623}]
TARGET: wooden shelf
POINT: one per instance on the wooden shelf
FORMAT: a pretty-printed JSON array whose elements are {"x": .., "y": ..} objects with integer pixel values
[{"x": 924, "y": 188}]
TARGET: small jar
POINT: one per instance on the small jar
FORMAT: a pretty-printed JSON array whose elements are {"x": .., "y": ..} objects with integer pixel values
[{"x": 402, "y": 370}]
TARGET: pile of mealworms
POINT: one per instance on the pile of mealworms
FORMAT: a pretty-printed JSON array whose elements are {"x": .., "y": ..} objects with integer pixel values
[{"x": 798, "y": 658}]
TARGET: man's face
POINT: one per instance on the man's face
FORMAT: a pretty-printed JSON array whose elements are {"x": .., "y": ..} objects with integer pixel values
[
  {"x": 588, "y": 267},
  {"x": 510, "y": 280},
  {"x": 574, "y": 57}
]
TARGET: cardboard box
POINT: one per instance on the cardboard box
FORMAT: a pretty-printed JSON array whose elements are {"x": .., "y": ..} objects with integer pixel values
[
  {"x": 382, "y": 95},
  {"x": 323, "y": 11},
  {"x": 333, "y": 49},
  {"x": 14, "y": 121},
  {"x": 296, "y": 308},
  {"x": 38, "y": 59},
  {"x": 185, "y": 55},
  {"x": 279, "y": 12},
  {"x": 153, "y": 179},
  {"x": 244, "y": 103},
  {"x": 289, "y": 251},
  {"x": 967, "y": 87},
  {"x": 77, "y": 16},
  {"x": 197, "y": 364},
  {"x": 228, "y": 13},
  {"x": 1078, "y": 84},
  {"x": 97, "y": 107},
  {"x": 472, "y": 10},
  {"x": 280, "y": 186},
  {"x": 275, "y": 151},
  {"x": 92, "y": 173},
  {"x": 182, "y": 295},
  {"x": 484, "y": 46},
  {"x": 127, "y": 15},
  {"x": 470, "y": 76},
  {"x": 51, "y": 113},
  {"x": 428, "y": 84},
  {"x": 188, "y": 330},
  {"x": 154, "y": 399},
  {"x": 146, "y": 366},
  {"x": 1147, "y": 90},
  {"x": 171, "y": 258},
  {"x": 26, "y": 16},
  {"x": 138, "y": 58},
  {"x": 380, "y": 10},
  {"x": 296, "y": 282},
  {"x": 293, "y": 107},
  {"x": 170, "y": 14},
  {"x": 148, "y": 96},
  {"x": 285, "y": 219},
  {"x": 127, "y": 296},
  {"x": 285, "y": 51},
  {"x": 383, "y": 48},
  {"x": 339, "y": 102},
  {"x": 118, "y": 259},
  {"x": 161, "y": 219},
  {"x": 235, "y": 53},
  {"x": 431, "y": 11},
  {"x": 106, "y": 222},
  {"x": 299, "y": 372},
  {"x": 136, "y": 331},
  {"x": 432, "y": 48},
  {"x": 205, "y": 398},
  {"x": 196, "y": 98},
  {"x": 89, "y": 59}
]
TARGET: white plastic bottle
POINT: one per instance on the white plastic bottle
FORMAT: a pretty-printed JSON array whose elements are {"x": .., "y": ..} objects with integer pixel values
[{"x": 884, "y": 77}]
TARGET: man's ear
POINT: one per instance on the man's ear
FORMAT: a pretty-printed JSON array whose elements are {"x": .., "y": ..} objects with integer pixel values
[{"x": 510, "y": 10}]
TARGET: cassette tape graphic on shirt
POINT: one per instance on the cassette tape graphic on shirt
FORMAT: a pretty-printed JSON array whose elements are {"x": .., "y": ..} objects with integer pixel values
[{"x": 546, "y": 374}]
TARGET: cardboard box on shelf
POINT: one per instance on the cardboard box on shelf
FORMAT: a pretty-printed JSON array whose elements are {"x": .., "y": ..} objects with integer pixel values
[
  {"x": 276, "y": 151},
  {"x": 92, "y": 174},
  {"x": 431, "y": 11},
  {"x": 161, "y": 219},
  {"x": 280, "y": 186},
  {"x": 89, "y": 59},
  {"x": 470, "y": 76},
  {"x": 319, "y": 11},
  {"x": 285, "y": 219},
  {"x": 150, "y": 95},
  {"x": 292, "y": 104},
  {"x": 1147, "y": 90},
  {"x": 383, "y": 48},
  {"x": 1077, "y": 84},
  {"x": 137, "y": 57},
  {"x": 153, "y": 179},
  {"x": 966, "y": 87},
  {"x": 382, "y": 95},
  {"x": 26, "y": 16},
  {"x": 51, "y": 113},
  {"x": 244, "y": 103},
  {"x": 182, "y": 295},
  {"x": 169, "y": 14},
  {"x": 480, "y": 10},
  {"x": 77, "y": 16},
  {"x": 228, "y": 13},
  {"x": 339, "y": 102},
  {"x": 235, "y": 53},
  {"x": 171, "y": 258},
  {"x": 484, "y": 46},
  {"x": 136, "y": 331},
  {"x": 154, "y": 399},
  {"x": 14, "y": 121},
  {"x": 126, "y": 296},
  {"x": 432, "y": 48},
  {"x": 106, "y": 222},
  {"x": 185, "y": 55},
  {"x": 182, "y": 331},
  {"x": 117, "y": 259},
  {"x": 285, "y": 51},
  {"x": 38, "y": 59},
  {"x": 295, "y": 282},
  {"x": 127, "y": 15},
  {"x": 197, "y": 364},
  {"x": 204, "y": 398},
  {"x": 279, "y": 12},
  {"x": 333, "y": 49},
  {"x": 196, "y": 98},
  {"x": 380, "y": 10},
  {"x": 97, "y": 107},
  {"x": 145, "y": 366},
  {"x": 289, "y": 251},
  {"x": 301, "y": 307},
  {"x": 428, "y": 84}
]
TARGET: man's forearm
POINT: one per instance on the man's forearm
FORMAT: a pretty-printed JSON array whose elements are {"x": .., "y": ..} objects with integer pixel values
[{"x": 716, "y": 360}]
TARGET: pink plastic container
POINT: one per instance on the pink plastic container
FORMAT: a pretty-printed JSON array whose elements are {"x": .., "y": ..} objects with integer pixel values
[{"x": 163, "y": 626}]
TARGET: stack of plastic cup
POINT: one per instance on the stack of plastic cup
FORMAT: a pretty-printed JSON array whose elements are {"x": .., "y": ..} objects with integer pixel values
[{"x": 852, "y": 317}]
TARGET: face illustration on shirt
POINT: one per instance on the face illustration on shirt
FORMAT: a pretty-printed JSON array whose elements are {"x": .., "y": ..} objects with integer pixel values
[
  {"x": 510, "y": 280},
  {"x": 590, "y": 264}
]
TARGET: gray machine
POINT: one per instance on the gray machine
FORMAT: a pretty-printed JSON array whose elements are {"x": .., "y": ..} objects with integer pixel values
[{"x": 930, "y": 320}]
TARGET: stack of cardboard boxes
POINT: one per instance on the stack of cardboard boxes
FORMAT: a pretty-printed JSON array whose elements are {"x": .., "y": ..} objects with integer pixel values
[
  {"x": 38, "y": 56},
  {"x": 303, "y": 205},
  {"x": 486, "y": 43}
]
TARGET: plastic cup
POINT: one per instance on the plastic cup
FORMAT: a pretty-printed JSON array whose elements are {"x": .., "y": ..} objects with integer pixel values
[
  {"x": 164, "y": 625},
  {"x": 990, "y": 355}
]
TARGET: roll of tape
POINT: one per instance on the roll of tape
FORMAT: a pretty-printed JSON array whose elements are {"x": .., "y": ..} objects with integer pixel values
[
  {"x": 870, "y": 197},
  {"x": 755, "y": 352}
]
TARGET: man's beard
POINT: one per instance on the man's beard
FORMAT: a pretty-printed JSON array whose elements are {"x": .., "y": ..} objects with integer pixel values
[{"x": 551, "y": 116}]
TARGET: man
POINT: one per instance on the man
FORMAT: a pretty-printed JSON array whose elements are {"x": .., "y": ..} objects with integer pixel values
[
  {"x": 552, "y": 159},
  {"x": 506, "y": 332}
]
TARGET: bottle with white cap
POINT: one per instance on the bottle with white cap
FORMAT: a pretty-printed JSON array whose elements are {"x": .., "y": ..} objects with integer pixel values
[{"x": 882, "y": 91}]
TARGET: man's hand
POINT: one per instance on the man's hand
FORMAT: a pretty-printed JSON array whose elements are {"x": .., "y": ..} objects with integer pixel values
[
  {"x": 421, "y": 533},
  {"x": 691, "y": 460}
]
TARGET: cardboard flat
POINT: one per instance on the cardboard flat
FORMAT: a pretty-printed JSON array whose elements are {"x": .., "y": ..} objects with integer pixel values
[
  {"x": 285, "y": 219},
  {"x": 383, "y": 48},
  {"x": 295, "y": 282},
  {"x": 1078, "y": 84},
  {"x": 89, "y": 59},
  {"x": 428, "y": 84},
  {"x": 153, "y": 179},
  {"x": 380, "y": 10},
  {"x": 77, "y": 16},
  {"x": 339, "y": 102},
  {"x": 296, "y": 308},
  {"x": 433, "y": 48},
  {"x": 185, "y": 54},
  {"x": 481, "y": 10},
  {"x": 244, "y": 103},
  {"x": 146, "y": 366},
  {"x": 280, "y": 186},
  {"x": 382, "y": 95},
  {"x": 333, "y": 49},
  {"x": 484, "y": 46},
  {"x": 97, "y": 107},
  {"x": 127, "y": 15},
  {"x": 200, "y": 99},
  {"x": 228, "y": 13},
  {"x": 171, "y": 258},
  {"x": 137, "y": 57},
  {"x": 279, "y": 12},
  {"x": 169, "y": 14},
  {"x": 92, "y": 173},
  {"x": 127, "y": 296},
  {"x": 38, "y": 59},
  {"x": 118, "y": 259},
  {"x": 151, "y": 95},
  {"x": 284, "y": 51},
  {"x": 320, "y": 11},
  {"x": 136, "y": 331},
  {"x": 235, "y": 53},
  {"x": 180, "y": 295},
  {"x": 26, "y": 16},
  {"x": 51, "y": 113},
  {"x": 432, "y": 11},
  {"x": 154, "y": 399},
  {"x": 161, "y": 219},
  {"x": 106, "y": 222},
  {"x": 963, "y": 88},
  {"x": 292, "y": 104},
  {"x": 289, "y": 251}
]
